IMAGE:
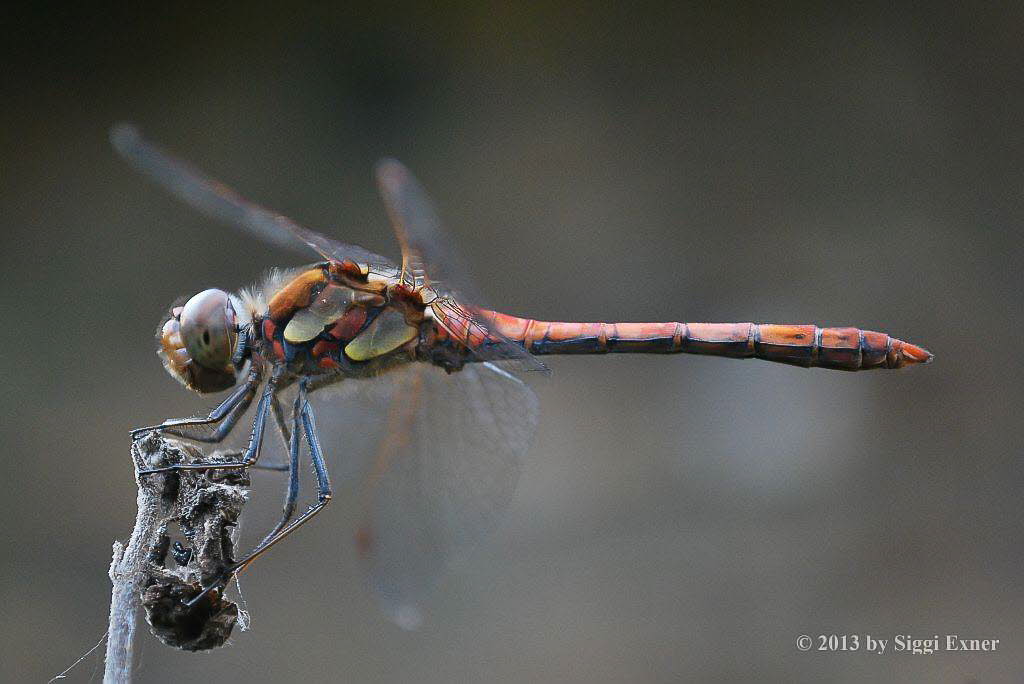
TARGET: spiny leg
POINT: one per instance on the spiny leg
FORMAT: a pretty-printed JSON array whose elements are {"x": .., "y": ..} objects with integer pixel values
[
  {"x": 293, "y": 468},
  {"x": 223, "y": 429},
  {"x": 324, "y": 494},
  {"x": 323, "y": 483},
  {"x": 230, "y": 409},
  {"x": 282, "y": 426},
  {"x": 282, "y": 429},
  {"x": 252, "y": 452},
  {"x": 314, "y": 383}
]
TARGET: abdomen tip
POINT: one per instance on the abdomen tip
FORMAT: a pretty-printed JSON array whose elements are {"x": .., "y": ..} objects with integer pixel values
[{"x": 912, "y": 354}]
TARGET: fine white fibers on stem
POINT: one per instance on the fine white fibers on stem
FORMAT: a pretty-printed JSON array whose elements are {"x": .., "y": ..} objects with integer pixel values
[
  {"x": 128, "y": 571},
  {"x": 205, "y": 505}
]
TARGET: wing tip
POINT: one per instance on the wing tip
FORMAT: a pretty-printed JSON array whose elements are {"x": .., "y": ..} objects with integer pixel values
[
  {"x": 124, "y": 135},
  {"x": 405, "y": 615},
  {"x": 390, "y": 171}
]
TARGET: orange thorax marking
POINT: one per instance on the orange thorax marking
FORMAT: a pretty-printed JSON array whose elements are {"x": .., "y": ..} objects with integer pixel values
[{"x": 295, "y": 295}]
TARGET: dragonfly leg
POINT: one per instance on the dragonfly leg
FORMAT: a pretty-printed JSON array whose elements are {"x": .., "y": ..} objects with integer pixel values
[
  {"x": 251, "y": 454},
  {"x": 324, "y": 494},
  {"x": 314, "y": 384},
  {"x": 323, "y": 483},
  {"x": 293, "y": 468},
  {"x": 226, "y": 414},
  {"x": 282, "y": 429},
  {"x": 282, "y": 425}
]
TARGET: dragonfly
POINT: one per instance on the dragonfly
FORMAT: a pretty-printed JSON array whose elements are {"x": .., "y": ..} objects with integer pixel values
[{"x": 460, "y": 418}]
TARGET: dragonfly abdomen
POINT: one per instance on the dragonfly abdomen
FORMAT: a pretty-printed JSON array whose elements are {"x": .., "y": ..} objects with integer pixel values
[{"x": 800, "y": 345}]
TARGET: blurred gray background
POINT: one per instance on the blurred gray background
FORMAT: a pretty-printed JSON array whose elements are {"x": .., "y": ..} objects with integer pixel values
[{"x": 679, "y": 518}]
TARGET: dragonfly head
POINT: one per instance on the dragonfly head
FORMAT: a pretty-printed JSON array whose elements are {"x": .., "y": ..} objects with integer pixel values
[{"x": 197, "y": 341}]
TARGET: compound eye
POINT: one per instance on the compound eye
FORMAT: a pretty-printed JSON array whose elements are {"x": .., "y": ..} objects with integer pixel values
[{"x": 208, "y": 329}]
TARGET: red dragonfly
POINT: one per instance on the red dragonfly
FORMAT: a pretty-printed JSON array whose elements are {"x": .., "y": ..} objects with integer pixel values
[{"x": 460, "y": 419}]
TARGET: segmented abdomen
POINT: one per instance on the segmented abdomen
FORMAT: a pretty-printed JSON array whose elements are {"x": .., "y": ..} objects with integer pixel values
[{"x": 800, "y": 345}]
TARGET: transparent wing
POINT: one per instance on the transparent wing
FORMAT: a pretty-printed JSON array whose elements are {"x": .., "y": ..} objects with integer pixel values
[
  {"x": 447, "y": 467},
  {"x": 429, "y": 259},
  {"x": 428, "y": 256},
  {"x": 221, "y": 202},
  {"x": 471, "y": 327}
]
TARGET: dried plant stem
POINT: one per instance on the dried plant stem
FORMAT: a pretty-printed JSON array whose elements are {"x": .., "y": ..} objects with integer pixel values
[
  {"x": 127, "y": 574},
  {"x": 206, "y": 505}
]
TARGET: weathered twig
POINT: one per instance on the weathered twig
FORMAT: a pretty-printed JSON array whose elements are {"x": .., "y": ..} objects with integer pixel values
[{"x": 205, "y": 505}]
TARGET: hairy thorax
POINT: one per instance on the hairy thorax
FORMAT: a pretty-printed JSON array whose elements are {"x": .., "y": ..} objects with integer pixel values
[{"x": 328, "y": 320}]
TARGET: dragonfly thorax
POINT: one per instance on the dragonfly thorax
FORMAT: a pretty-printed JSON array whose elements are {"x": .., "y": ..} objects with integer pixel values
[{"x": 320, "y": 323}]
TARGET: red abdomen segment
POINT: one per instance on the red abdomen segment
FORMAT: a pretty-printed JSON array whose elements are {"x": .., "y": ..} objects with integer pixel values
[{"x": 800, "y": 345}]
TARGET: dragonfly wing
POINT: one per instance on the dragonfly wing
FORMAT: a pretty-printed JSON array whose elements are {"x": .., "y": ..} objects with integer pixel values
[
  {"x": 428, "y": 255},
  {"x": 429, "y": 259},
  {"x": 467, "y": 325},
  {"x": 221, "y": 202},
  {"x": 447, "y": 467}
]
